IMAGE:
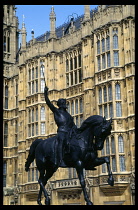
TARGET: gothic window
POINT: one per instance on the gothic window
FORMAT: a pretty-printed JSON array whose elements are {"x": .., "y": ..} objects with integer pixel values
[
  {"x": 36, "y": 72},
  {"x": 6, "y": 97},
  {"x": 4, "y": 173},
  {"x": 71, "y": 64},
  {"x": 79, "y": 58},
  {"x": 5, "y": 134},
  {"x": 103, "y": 45},
  {"x": 32, "y": 115},
  {"x": 122, "y": 162},
  {"x": 100, "y": 110},
  {"x": 118, "y": 109},
  {"x": 105, "y": 111},
  {"x": 120, "y": 144},
  {"x": 99, "y": 63},
  {"x": 110, "y": 93},
  {"x": 76, "y": 106},
  {"x": 8, "y": 44},
  {"x": 36, "y": 114},
  {"x": 105, "y": 94},
  {"x": 106, "y": 151},
  {"x": 81, "y": 105},
  {"x": 103, "y": 62},
  {"x": 115, "y": 41},
  {"x": 36, "y": 128},
  {"x": 108, "y": 43},
  {"x": 75, "y": 62},
  {"x": 32, "y": 73},
  {"x": 98, "y": 47},
  {"x": 42, "y": 85},
  {"x": 4, "y": 44},
  {"x": 112, "y": 145},
  {"x": 32, "y": 87},
  {"x": 42, "y": 128},
  {"x": 117, "y": 92},
  {"x": 33, "y": 173},
  {"x": 108, "y": 60},
  {"x": 42, "y": 113},
  {"x": 107, "y": 146},
  {"x": 100, "y": 95},
  {"x": 110, "y": 110},
  {"x": 67, "y": 65},
  {"x": 80, "y": 75},
  {"x": 113, "y": 164},
  {"x": 72, "y": 107},
  {"x": 36, "y": 86},
  {"x": 73, "y": 70},
  {"x": 42, "y": 70},
  {"x": 116, "y": 58}
]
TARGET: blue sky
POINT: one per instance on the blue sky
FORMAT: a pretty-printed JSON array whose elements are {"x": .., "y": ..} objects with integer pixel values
[{"x": 37, "y": 16}]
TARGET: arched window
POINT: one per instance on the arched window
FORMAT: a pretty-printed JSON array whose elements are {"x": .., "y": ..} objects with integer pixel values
[
  {"x": 76, "y": 106},
  {"x": 110, "y": 93},
  {"x": 105, "y": 94},
  {"x": 120, "y": 144},
  {"x": 108, "y": 43},
  {"x": 6, "y": 97},
  {"x": 32, "y": 115},
  {"x": 100, "y": 95},
  {"x": 5, "y": 134},
  {"x": 81, "y": 105},
  {"x": 117, "y": 92},
  {"x": 72, "y": 107},
  {"x": 42, "y": 70},
  {"x": 98, "y": 47},
  {"x": 42, "y": 113},
  {"x": 112, "y": 145},
  {"x": 115, "y": 41},
  {"x": 71, "y": 64},
  {"x": 103, "y": 45}
]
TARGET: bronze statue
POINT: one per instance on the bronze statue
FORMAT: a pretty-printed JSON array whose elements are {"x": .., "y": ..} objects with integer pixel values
[
  {"x": 82, "y": 153},
  {"x": 65, "y": 123}
]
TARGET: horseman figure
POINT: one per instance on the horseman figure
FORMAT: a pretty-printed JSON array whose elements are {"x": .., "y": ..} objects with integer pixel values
[{"x": 66, "y": 127}]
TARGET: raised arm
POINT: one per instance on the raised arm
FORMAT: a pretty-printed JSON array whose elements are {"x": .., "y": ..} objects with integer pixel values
[{"x": 50, "y": 105}]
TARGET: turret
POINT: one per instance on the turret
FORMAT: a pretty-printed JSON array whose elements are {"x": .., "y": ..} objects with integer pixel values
[
  {"x": 52, "y": 23},
  {"x": 86, "y": 12},
  {"x": 23, "y": 33}
]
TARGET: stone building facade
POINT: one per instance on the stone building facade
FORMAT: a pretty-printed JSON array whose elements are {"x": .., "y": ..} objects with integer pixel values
[{"x": 89, "y": 61}]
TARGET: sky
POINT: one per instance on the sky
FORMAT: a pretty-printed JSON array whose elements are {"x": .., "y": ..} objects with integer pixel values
[{"x": 36, "y": 17}]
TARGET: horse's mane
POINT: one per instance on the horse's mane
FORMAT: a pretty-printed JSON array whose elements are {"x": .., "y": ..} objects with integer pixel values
[{"x": 95, "y": 120}]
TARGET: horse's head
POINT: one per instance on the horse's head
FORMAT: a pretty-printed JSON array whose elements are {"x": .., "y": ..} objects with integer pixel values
[{"x": 102, "y": 132}]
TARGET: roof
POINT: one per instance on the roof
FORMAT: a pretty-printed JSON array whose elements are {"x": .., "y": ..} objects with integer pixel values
[{"x": 59, "y": 30}]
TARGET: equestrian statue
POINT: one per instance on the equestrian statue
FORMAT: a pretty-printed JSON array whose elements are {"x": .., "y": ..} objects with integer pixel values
[{"x": 71, "y": 147}]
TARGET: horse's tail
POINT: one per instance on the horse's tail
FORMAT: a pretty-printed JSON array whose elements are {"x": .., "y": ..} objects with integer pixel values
[{"x": 31, "y": 155}]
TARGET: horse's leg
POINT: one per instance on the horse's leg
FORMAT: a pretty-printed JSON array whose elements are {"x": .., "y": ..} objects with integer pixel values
[
  {"x": 110, "y": 179},
  {"x": 41, "y": 181},
  {"x": 48, "y": 175},
  {"x": 102, "y": 160},
  {"x": 79, "y": 168}
]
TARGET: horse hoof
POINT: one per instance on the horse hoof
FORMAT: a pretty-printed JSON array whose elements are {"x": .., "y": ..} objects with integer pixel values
[
  {"x": 47, "y": 202},
  {"x": 89, "y": 203},
  {"x": 111, "y": 182}
]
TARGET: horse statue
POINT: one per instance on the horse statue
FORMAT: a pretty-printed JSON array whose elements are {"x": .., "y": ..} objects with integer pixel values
[{"x": 84, "y": 145}]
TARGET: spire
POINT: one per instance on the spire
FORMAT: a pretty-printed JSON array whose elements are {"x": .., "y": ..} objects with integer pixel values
[
  {"x": 52, "y": 18},
  {"x": 86, "y": 12},
  {"x": 23, "y": 33}
]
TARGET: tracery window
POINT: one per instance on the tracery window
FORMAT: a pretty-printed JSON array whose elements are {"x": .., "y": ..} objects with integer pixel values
[
  {"x": 33, "y": 173},
  {"x": 32, "y": 80},
  {"x": 105, "y": 101},
  {"x": 5, "y": 144},
  {"x": 75, "y": 108},
  {"x": 109, "y": 150},
  {"x": 73, "y": 70},
  {"x": 6, "y": 97},
  {"x": 118, "y": 100}
]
